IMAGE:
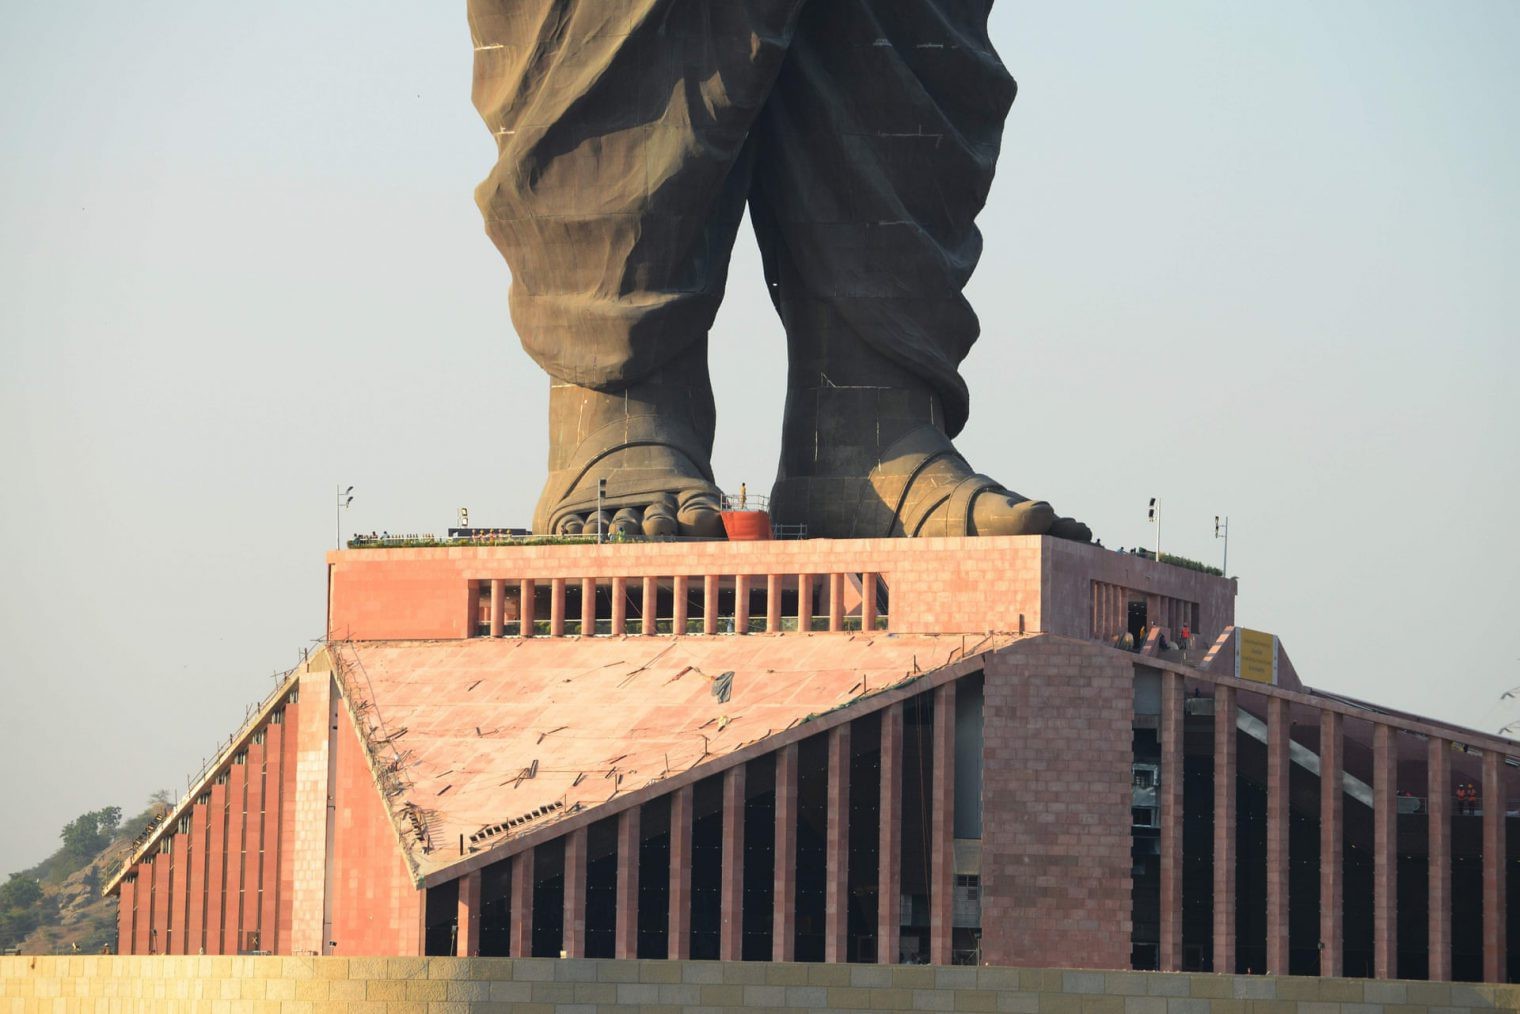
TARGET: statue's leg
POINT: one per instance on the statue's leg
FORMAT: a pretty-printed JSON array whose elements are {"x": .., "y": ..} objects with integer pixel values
[
  {"x": 623, "y": 166},
  {"x": 879, "y": 144}
]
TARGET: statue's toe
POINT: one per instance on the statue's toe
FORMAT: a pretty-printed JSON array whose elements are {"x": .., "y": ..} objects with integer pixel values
[
  {"x": 627, "y": 521},
  {"x": 1002, "y": 514},
  {"x": 698, "y": 515},
  {"x": 1071, "y": 528}
]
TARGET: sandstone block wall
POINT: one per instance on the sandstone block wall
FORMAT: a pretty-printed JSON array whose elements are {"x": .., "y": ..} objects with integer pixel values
[
  {"x": 165, "y": 985},
  {"x": 1056, "y": 799}
]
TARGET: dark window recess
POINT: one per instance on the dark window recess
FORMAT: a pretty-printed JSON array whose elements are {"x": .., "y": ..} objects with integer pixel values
[
  {"x": 496, "y": 910},
  {"x": 1251, "y": 859},
  {"x": 1198, "y": 853},
  {"x": 912, "y": 942},
  {"x": 601, "y": 888},
  {"x": 441, "y": 920},
  {"x": 1303, "y": 873},
  {"x": 759, "y": 857},
  {"x": 706, "y": 867},
  {"x": 865, "y": 831},
  {"x": 1145, "y": 855},
  {"x": 812, "y": 840},
  {"x": 654, "y": 878},
  {"x": 549, "y": 899}
]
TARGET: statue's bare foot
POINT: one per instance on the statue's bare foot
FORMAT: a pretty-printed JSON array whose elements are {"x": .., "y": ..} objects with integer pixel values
[
  {"x": 869, "y": 468},
  {"x": 650, "y": 443}
]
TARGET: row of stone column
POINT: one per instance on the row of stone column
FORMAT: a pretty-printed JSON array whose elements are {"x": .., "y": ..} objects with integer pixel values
[
  {"x": 1110, "y": 611},
  {"x": 681, "y": 591},
  {"x": 1332, "y": 826},
  {"x": 784, "y": 899},
  {"x": 220, "y": 878}
]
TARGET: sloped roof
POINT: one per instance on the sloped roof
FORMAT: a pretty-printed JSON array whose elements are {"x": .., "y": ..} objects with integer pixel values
[{"x": 482, "y": 732}]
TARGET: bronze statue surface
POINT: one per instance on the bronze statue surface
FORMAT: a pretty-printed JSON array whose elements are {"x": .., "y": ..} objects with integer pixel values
[{"x": 862, "y": 135}]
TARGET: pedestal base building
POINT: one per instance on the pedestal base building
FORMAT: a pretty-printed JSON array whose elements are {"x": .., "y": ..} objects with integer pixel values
[{"x": 936, "y": 750}]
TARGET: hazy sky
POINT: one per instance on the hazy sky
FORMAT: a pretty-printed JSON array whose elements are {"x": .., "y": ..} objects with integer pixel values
[{"x": 1255, "y": 260}]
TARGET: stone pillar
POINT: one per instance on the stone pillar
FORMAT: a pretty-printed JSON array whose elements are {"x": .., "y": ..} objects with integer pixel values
[
  {"x": 274, "y": 832},
  {"x": 195, "y": 887},
  {"x": 942, "y": 828},
  {"x": 521, "y": 929},
  {"x": 625, "y": 937},
  {"x": 143, "y": 899},
  {"x": 126, "y": 902},
  {"x": 868, "y": 601},
  {"x": 784, "y": 896},
  {"x": 573, "y": 928},
  {"x": 731, "y": 892},
  {"x": 678, "y": 946},
  {"x": 1278, "y": 733},
  {"x": 498, "y": 605},
  {"x": 619, "y": 606},
  {"x": 741, "y": 604},
  {"x": 253, "y": 860},
  {"x": 467, "y": 939},
  {"x": 1332, "y": 834},
  {"x": 588, "y": 607},
  {"x": 804, "y": 602},
  {"x": 1385, "y": 852},
  {"x": 889, "y": 837},
  {"x": 172, "y": 940},
  {"x": 1438, "y": 809},
  {"x": 237, "y": 830},
  {"x": 310, "y": 851},
  {"x": 1495, "y": 905},
  {"x": 525, "y": 589},
  {"x": 651, "y": 605},
  {"x": 710, "y": 604},
  {"x": 1225, "y": 771},
  {"x": 836, "y": 917},
  {"x": 158, "y": 926},
  {"x": 680, "y": 590},
  {"x": 773, "y": 603},
  {"x": 284, "y": 900},
  {"x": 216, "y": 872},
  {"x": 557, "y": 607},
  {"x": 836, "y": 602},
  {"x": 1169, "y": 798}
]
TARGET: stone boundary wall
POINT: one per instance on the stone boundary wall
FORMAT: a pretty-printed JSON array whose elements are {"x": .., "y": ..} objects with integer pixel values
[{"x": 543, "y": 985}]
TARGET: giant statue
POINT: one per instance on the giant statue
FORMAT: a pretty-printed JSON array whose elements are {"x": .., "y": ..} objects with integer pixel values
[{"x": 862, "y": 136}]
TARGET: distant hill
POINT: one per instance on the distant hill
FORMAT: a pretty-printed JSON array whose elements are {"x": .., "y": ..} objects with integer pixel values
[{"x": 56, "y": 906}]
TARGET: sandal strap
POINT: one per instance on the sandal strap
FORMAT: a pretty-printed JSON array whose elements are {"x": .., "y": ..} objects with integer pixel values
[
  {"x": 924, "y": 506},
  {"x": 632, "y": 490}
]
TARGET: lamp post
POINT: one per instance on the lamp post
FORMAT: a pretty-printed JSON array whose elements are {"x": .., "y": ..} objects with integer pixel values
[
  {"x": 1222, "y": 531},
  {"x": 601, "y": 494},
  {"x": 345, "y": 497},
  {"x": 1153, "y": 515}
]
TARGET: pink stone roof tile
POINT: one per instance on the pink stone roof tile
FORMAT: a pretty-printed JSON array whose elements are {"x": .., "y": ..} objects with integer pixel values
[{"x": 601, "y": 717}]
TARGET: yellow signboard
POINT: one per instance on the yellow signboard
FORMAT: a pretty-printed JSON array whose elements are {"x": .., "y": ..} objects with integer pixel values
[{"x": 1255, "y": 656}]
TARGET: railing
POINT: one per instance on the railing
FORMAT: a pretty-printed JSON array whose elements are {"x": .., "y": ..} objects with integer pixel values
[{"x": 634, "y": 625}]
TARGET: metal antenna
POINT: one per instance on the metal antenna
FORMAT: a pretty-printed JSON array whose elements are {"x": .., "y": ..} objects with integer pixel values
[
  {"x": 1222, "y": 531},
  {"x": 1153, "y": 515},
  {"x": 344, "y": 498}
]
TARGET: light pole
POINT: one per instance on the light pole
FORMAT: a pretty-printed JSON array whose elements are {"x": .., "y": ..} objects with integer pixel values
[
  {"x": 601, "y": 494},
  {"x": 345, "y": 497},
  {"x": 1153, "y": 515},
  {"x": 1222, "y": 531}
]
